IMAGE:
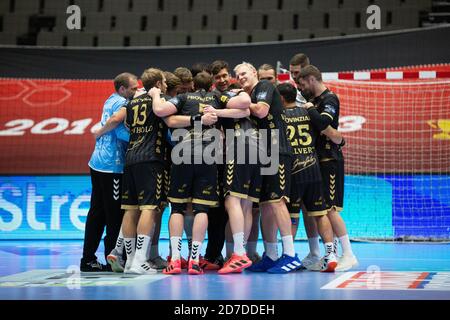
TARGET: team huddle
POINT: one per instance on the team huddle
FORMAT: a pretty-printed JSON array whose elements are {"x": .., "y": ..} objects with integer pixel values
[{"x": 232, "y": 157}]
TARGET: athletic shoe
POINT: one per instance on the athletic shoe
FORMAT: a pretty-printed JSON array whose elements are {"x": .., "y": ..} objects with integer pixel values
[
  {"x": 158, "y": 263},
  {"x": 255, "y": 258},
  {"x": 329, "y": 263},
  {"x": 286, "y": 264},
  {"x": 236, "y": 264},
  {"x": 316, "y": 266},
  {"x": 309, "y": 260},
  {"x": 143, "y": 268},
  {"x": 128, "y": 264},
  {"x": 346, "y": 263},
  {"x": 116, "y": 261},
  {"x": 174, "y": 267},
  {"x": 262, "y": 266},
  {"x": 194, "y": 267},
  {"x": 211, "y": 265},
  {"x": 93, "y": 266},
  {"x": 184, "y": 262}
]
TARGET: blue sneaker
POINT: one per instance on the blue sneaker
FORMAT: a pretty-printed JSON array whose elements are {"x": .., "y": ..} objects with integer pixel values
[
  {"x": 263, "y": 265},
  {"x": 286, "y": 264}
]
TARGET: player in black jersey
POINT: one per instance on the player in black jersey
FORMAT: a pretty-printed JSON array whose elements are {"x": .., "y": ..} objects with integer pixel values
[
  {"x": 306, "y": 178},
  {"x": 241, "y": 180},
  {"x": 192, "y": 179},
  {"x": 267, "y": 109},
  {"x": 143, "y": 182},
  {"x": 217, "y": 217},
  {"x": 324, "y": 111}
]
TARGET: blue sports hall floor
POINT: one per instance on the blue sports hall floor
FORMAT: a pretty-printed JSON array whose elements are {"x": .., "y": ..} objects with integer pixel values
[{"x": 47, "y": 270}]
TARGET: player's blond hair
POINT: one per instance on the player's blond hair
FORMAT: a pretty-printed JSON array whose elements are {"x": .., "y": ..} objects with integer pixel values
[{"x": 245, "y": 64}]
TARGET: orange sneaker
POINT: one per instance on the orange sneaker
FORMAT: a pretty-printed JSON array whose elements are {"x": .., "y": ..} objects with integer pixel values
[
  {"x": 194, "y": 267},
  {"x": 184, "y": 262},
  {"x": 236, "y": 264},
  {"x": 174, "y": 267}
]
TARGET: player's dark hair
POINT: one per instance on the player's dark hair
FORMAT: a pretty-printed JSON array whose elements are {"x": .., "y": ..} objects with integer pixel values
[
  {"x": 268, "y": 67},
  {"x": 203, "y": 80},
  {"x": 300, "y": 59},
  {"x": 218, "y": 65},
  {"x": 172, "y": 80},
  {"x": 199, "y": 67},
  {"x": 310, "y": 71},
  {"x": 287, "y": 91}
]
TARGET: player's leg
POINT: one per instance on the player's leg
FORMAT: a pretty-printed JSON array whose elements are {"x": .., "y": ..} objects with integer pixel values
[
  {"x": 252, "y": 242},
  {"x": 95, "y": 224},
  {"x": 217, "y": 220},
  {"x": 204, "y": 196},
  {"x": 279, "y": 190},
  {"x": 238, "y": 260},
  {"x": 313, "y": 239},
  {"x": 145, "y": 229},
  {"x": 156, "y": 260},
  {"x": 114, "y": 239},
  {"x": 179, "y": 197},
  {"x": 333, "y": 188}
]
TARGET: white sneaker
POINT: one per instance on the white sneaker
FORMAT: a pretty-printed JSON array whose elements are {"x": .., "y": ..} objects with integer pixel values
[
  {"x": 346, "y": 263},
  {"x": 329, "y": 263},
  {"x": 143, "y": 268},
  {"x": 128, "y": 264},
  {"x": 116, "y": 261},
  {"x": 310, "y": 260},
  {"x": 316, "y": 266}
]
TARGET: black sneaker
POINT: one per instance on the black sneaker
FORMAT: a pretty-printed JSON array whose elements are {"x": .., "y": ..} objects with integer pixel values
[{"x": 93, "y": 266}]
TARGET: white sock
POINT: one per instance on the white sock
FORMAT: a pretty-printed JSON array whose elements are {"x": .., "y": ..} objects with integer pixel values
[
  {"x": 130, "y": 248},
  {"x": 251, "y": 248},
  {"x": 229, "y": 248},
  {"x": 120, "y": 243},
  {"x": 196, "y": 248},
  {"x": 154, "y": 251},
  {"x": 271, "y": 249},
  {"x": 175, "y": 244},
  {"x": 238, "y": 239},
  {"x": 346, "y": 246},
  {"x": 335, "y": 245},
  {"x": 142, "y": 244},
  {"x": 314, "y": 248},
  {"x": 288, "y": 245},
  {"x": 328, "y": 248}
]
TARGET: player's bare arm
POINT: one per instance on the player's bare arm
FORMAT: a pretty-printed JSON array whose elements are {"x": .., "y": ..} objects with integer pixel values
[
  {"x": 228, "y": 113},
  {"x": 111, "y": 123},
  {"x": 260, "y": 109},
  {"x": 161, "y": 107},
  {"x": 333, "y": 134},
  {"x": 240, "y": 101}
]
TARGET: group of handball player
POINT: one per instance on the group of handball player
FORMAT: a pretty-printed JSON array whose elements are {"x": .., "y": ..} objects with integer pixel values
[{"x": 231, "y": 157}]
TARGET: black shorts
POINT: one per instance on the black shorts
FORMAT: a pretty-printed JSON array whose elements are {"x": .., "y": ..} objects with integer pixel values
[
  {"x": 242, "y": 181},
  {"x": 143, "y": 186},
  {"x": 310, "y": 194},
  {"x": 196, "y": 183},
  {"x": 277, "y": 186},
  {"x": 333, "y": 183}
]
